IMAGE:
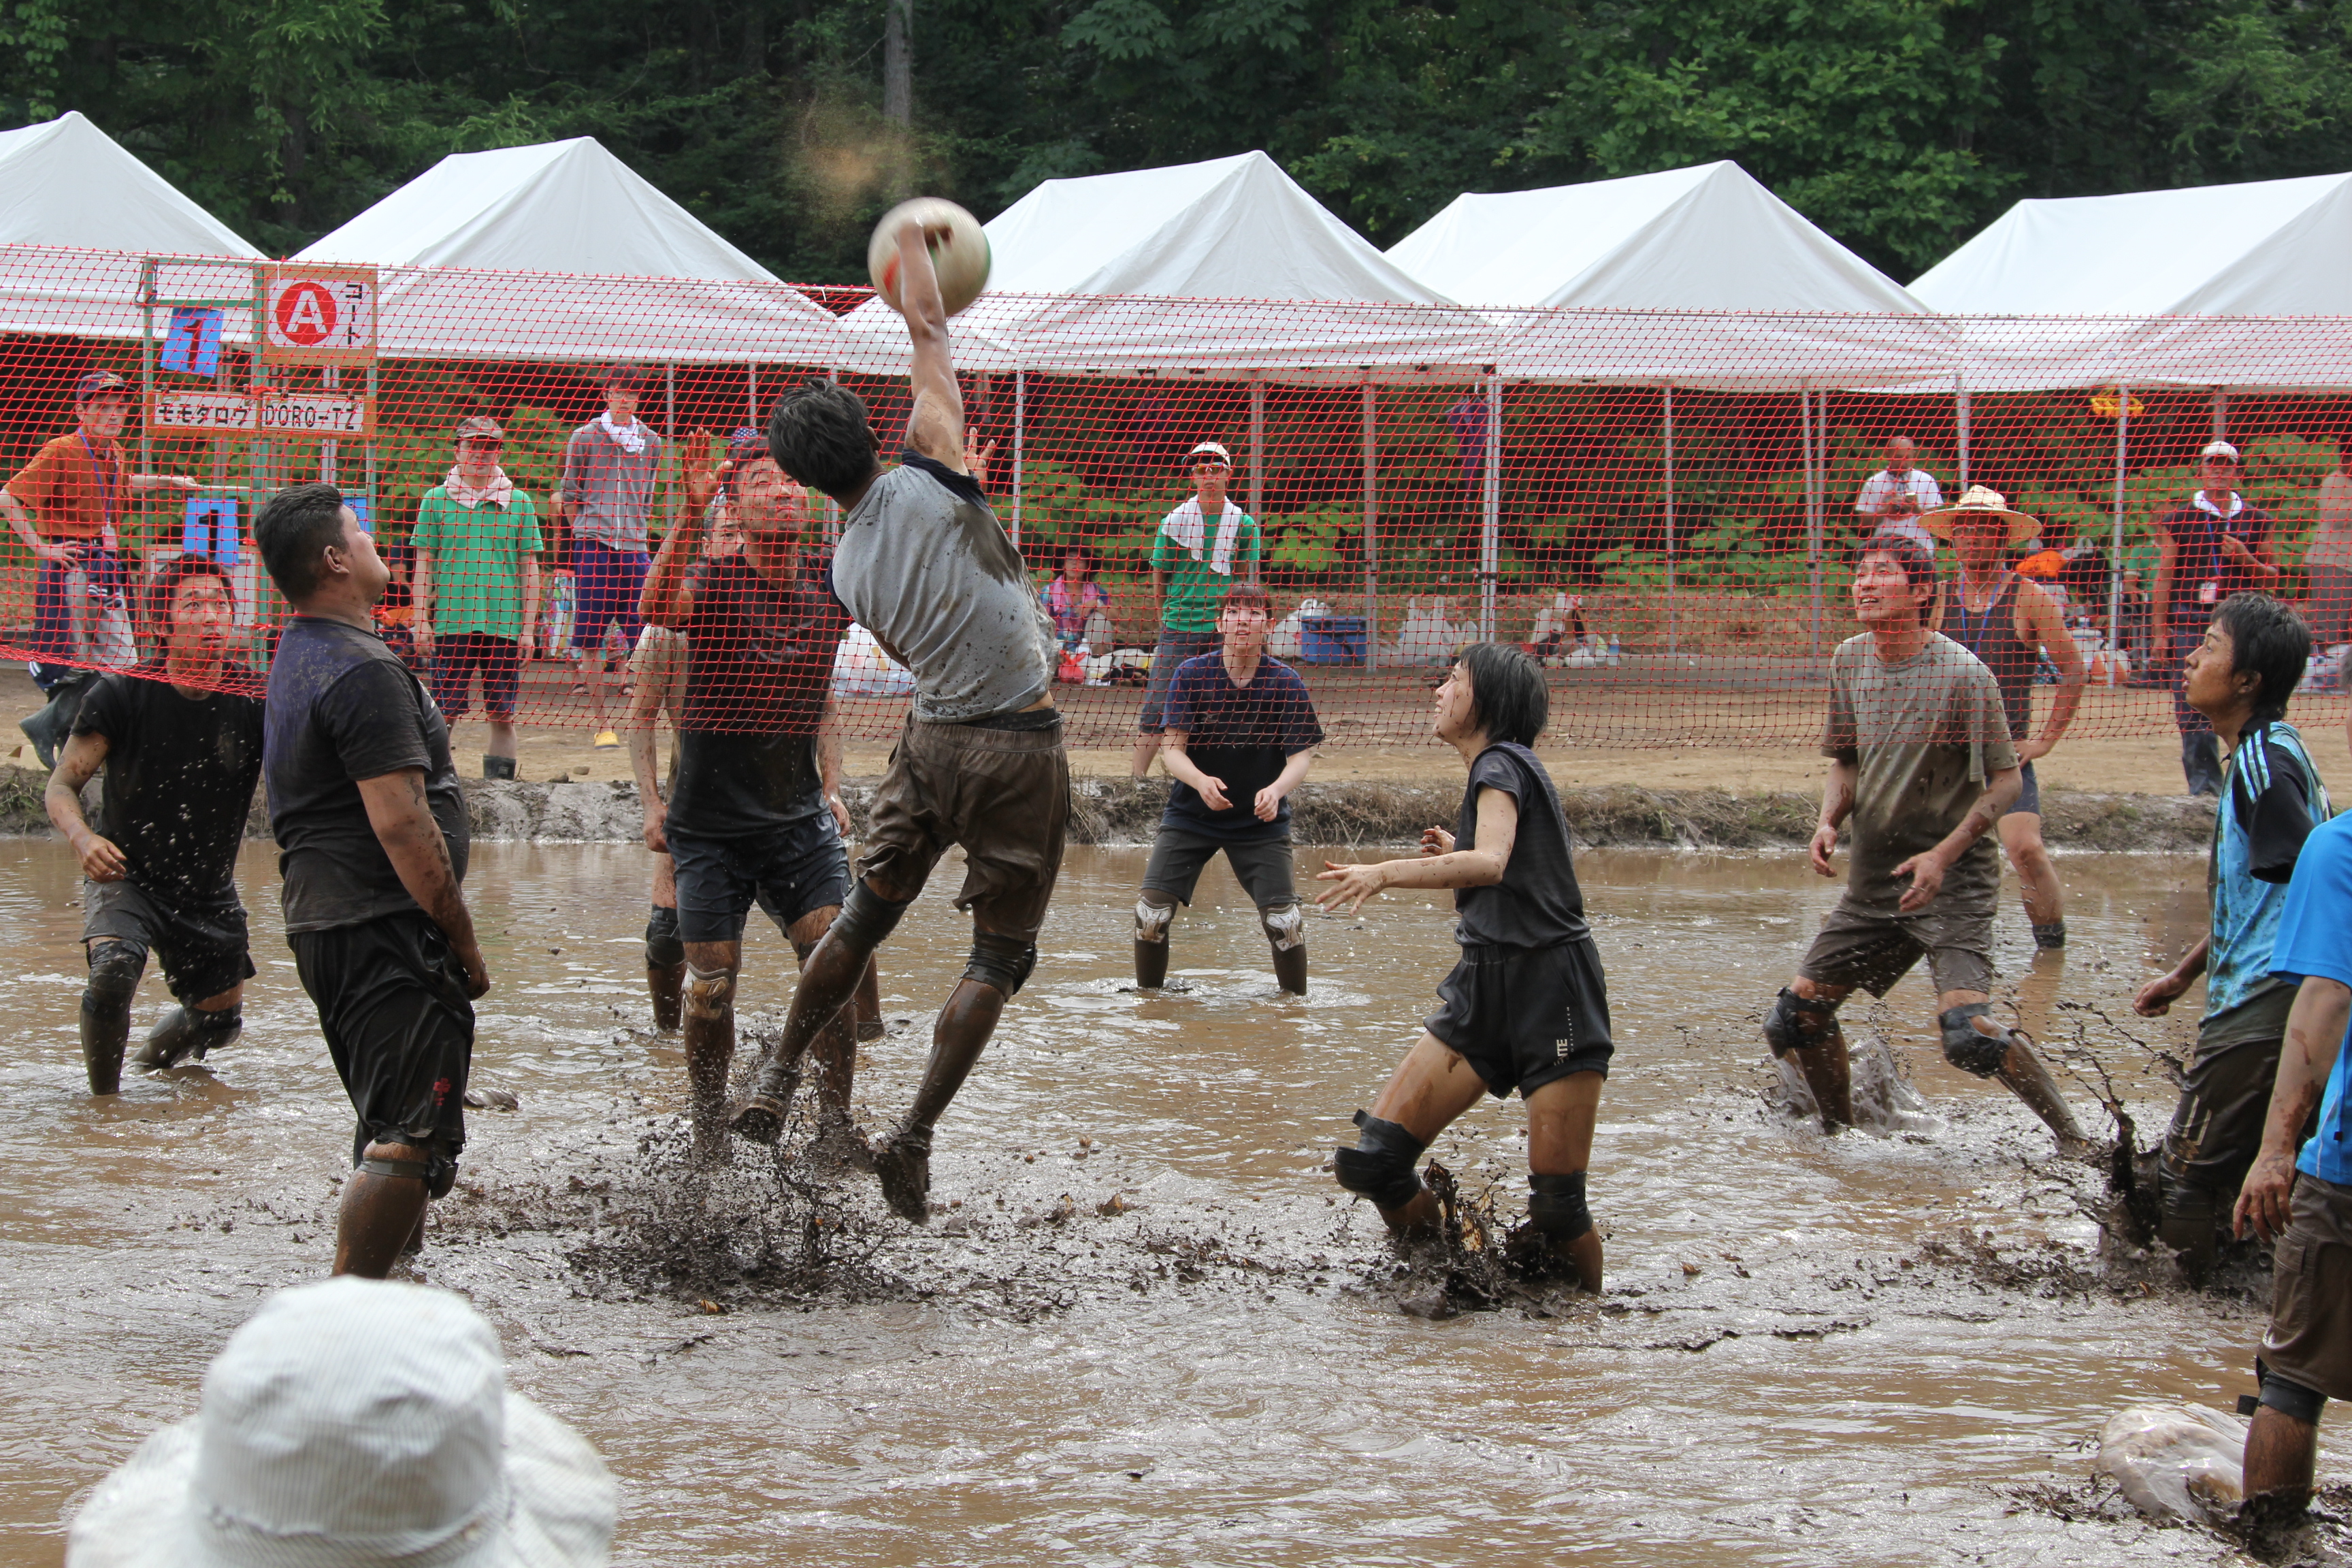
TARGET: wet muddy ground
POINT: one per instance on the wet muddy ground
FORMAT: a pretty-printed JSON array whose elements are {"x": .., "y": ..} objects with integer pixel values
[{"x": 1145, "y": 1326}]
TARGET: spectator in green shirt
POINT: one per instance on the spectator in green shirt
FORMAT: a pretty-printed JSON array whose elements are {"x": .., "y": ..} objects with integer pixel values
[
  {"x": 477, "y": 589},
  {"x": 1204, "y": 547}
]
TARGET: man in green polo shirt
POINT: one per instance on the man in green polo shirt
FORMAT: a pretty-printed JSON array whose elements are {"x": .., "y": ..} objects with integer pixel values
[
  {"x": 477, "y": 589},
  {"x": 1204, "y": 547}
]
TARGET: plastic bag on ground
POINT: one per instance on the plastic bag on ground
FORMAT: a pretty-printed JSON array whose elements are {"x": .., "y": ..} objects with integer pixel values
[{"x": 2176, "y": 1461}]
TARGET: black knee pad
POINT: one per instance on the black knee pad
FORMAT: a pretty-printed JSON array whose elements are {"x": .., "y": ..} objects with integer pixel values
[
  {"x": 1970, "y": 1048},
  {"x": 1381, "y": 1165},
  {"x": 663, "y": 949},
  {"x": 1791, "y": 1025},
  {"x": 1004, "y": 961},
  {"x": 115, "y": 966},
  {"x": 1556, "y": 1206},
  {"x": 867, "y": 918},
  {"x": 2291, "y": 1399},
  {"x": 437, "y": 1169}
]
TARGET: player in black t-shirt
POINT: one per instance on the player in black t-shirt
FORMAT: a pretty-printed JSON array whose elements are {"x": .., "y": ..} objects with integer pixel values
[
  {"x": 1241, "y": 730},
  {"x": 179, "y": 739},
  {"x": 372, "y": 845},
  {"x": 1525, "y": 1008},
  {"x": 756, "y": 815}
]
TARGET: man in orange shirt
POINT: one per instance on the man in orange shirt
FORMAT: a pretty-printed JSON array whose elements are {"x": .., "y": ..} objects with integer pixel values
[{"x": 65, "y": 505}]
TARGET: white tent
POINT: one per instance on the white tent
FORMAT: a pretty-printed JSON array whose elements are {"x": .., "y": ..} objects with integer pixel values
[
  {"x": 1155, "y": 270},
  {"x": 1702, "y": 238},
  {"x": 484, "y": 255}
]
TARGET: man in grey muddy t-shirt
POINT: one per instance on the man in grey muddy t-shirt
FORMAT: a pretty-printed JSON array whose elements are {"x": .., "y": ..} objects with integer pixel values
[
  {"x": 924, "y": 565},
  {"x": 1922, "y": 766}
]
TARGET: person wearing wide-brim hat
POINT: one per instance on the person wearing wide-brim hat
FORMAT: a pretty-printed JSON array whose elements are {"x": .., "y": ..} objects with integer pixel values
[
  {"x": 2008, "y": 620},
  {"x": 351, "y": 1423}
]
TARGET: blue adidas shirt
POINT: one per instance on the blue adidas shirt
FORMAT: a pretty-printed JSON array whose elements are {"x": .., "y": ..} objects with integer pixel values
[{"x": 2315, "y": 937}]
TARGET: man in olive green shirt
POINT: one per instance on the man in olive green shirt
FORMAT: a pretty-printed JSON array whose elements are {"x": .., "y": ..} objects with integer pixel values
[
  {"x": 1204, "y": 547},
  {"x": 477, "y": 590}
]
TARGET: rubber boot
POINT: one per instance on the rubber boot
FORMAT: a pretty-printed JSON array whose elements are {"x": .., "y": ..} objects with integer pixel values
[
  {"x": 1290, "y": 968},
  {"x": 1151, "y": 964},
  {"x": 666, "y": 982},
  {"x": 105, "y": 1031}
]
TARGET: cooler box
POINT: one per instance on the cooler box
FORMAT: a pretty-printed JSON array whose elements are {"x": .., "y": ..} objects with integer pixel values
[{"x": 1332, "y": 639}]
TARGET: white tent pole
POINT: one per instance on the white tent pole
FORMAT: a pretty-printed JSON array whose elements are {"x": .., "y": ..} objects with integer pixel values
[
  {"x": 1673, "y": 625},
  {"x": 2116, "y": 556},
  {"x": 1020, "y": 431},
  {"x": 1960, "y": 418},
  {"x": 1812, "y": 515},
  {"x": 752, "y": 394},
  {"x": 2220, "y": 415},
  {"x": 1257, "y": 468},
  {"x": 1490, "y": 534},
  {"x": 1371, "y": 529}
]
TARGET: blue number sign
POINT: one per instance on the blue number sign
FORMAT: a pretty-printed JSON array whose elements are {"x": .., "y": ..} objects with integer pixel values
[{"x": 193, "y": 345}]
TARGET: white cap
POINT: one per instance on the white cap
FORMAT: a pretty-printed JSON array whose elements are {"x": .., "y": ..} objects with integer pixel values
[
  {"x": 2222, "y": 449},
  {"x": 348, "y": 1422},
  {"x": 1215, "y": 450}
]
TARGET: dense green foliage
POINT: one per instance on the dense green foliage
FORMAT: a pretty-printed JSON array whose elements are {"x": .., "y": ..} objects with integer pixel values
[{"x": 1900, "y": 125}]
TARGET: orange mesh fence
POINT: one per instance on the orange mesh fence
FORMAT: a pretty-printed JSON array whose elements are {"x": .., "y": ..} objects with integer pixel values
[{"x": 1661, "y": 506}]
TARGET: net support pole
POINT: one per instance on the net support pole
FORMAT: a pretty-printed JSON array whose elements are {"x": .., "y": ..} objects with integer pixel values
[
  {"x": 1020, "y": 433},
  {"x": 751, "y": 395},
  {"x": 1371, "y": 529},
  {"x": 1490, "y": 529},
  {"x": 1258, "y": 469},
  {"x": 669, "y": 435},
  {"x": 1960, "y": 422},
  {"x": 329, "y": 452},
  {"x": 2220, "y": 415},
  {"x": 1673, "y": 623},
  {"x": 1812, "y": 521},
  {"x": 2115, "y": 553}
]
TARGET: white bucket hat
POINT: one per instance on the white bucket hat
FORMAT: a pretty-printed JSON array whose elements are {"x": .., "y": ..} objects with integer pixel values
[{"x": 355, "y": 1422}]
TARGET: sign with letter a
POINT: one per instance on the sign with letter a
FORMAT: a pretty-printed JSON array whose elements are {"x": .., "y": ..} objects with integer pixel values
[{"x": 318, "y": 315}]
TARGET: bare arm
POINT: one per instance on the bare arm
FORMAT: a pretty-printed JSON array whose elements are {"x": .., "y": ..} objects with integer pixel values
[
  {"x": 655, "y": 663},
  {"x": 1837, "y": 804},
  {"x": 1180, "y": 766},
  {"x": 2039, "y": 622},
  {"x": 403, "y": 824},
  {"x": 2315, "y": 1033},
  {"x": 935, "y": 426},
  {"x": 420, "y": 595},
  {"x": 101, "y": 859},
  {"x": 1499, "y": 831},
  {"x": 530, "y": 601},
  {"x": 828, "y": 763},
  {"x": 2156, "y": 998},
  {"x": 164, "y": 482},
  {"x": 669, "y": 599},
  {"x": 2168, "y": 557},
  {"x": 1269, "y": 799}
]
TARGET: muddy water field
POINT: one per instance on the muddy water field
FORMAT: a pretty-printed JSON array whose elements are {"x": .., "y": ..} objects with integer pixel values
[{"x": 1143, "y": 1325}]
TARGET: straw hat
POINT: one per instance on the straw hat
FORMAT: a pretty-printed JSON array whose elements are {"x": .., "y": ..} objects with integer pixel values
[
  {"x": 1981, "y": 501},
  {"x": 348, "y": 1422}
]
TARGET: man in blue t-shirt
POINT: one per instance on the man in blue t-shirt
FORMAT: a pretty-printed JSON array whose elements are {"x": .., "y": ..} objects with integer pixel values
[
  {"x": 2305, "y": 1203},
  {"x": 1241, "y": 730}
]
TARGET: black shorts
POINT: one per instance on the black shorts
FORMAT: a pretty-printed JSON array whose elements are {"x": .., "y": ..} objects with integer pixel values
[
  {"x": 1522, "y": 1016},
  {"x": 1263, "y": 868},
  {"x": 456, "y": 657},
  {"x": 2029, "y": 795},
  {"x": 202, "y": 948},
  {"x": 392, "y": 1003},
  {"x": 788, "y": 871}
]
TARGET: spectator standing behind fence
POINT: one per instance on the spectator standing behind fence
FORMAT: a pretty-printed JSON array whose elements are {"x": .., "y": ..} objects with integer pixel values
[
  {"x": 65, "y": 507},
  {"x": 2214, "y": 545},
  {"x": 2328, "y": 560},
  {"x": 477, "y": 548},
  {"x": 609, "y": 470},
  {"x": 1891, "y": 500},
  {"x": 1193, "y": 561}
]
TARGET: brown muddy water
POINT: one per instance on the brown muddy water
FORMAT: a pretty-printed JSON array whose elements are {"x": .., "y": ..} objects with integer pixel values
[{"x": 1152, "y": 1332}]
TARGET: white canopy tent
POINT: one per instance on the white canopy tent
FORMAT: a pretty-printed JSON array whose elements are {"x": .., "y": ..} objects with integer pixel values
[{"x": 484, "y": 256}]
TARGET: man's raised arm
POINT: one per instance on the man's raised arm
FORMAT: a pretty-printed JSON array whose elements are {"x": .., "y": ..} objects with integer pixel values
[{"x": 935, "y": 428}]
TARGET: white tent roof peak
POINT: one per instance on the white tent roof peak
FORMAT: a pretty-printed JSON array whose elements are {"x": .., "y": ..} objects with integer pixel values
[
  {"x": 2269, "y": 248},
  {"x": 1708, "y": 238},
  {"x": 65, "y": 181},
  {"x": 555, "y": 206},
  {"x": 1232, "y": 228}
]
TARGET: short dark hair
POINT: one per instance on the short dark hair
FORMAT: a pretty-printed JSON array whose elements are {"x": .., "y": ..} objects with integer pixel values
[
  {"x": 2269, "y": 641},
  {"x": 819, "y": 434},
  {"x": 293, "y": 529},
  {"x": 1245, "y": 593},
  {"x": 1913, "y": 558},
  {"x": 1508, "y": 694},
  {"x": 166, "y": 586}
]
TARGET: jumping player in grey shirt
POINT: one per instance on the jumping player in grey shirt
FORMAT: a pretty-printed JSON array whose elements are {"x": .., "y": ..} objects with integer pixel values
[{"x": 925, "y": 566}]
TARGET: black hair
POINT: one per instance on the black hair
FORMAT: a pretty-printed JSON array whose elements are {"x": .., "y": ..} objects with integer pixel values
[
  {"x": 1245, "y": 593},
  {"x": 293, "y": 530},
  {"x": 819, "y": 434},
  {"x": 1086, "y": 557},
  {"x": 1510, "y": 699},
  {"x": 1911, "y": 557},
  {"x": 166, "y": 586},
  {"x": 2268, "y": 641}
]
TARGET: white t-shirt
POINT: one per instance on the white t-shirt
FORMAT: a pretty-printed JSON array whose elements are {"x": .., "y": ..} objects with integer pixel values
[{"x": 1881, "y": 487}]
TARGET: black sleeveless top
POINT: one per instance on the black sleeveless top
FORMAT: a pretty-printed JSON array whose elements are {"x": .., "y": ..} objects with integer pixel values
[{"x": 1992, "y": 637}]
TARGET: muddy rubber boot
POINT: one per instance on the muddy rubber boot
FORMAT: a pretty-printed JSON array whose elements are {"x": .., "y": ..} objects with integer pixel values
[
  {"x": 1290, "y": 967},
  {"x": 1151, "y": 964},
  {"x": 105, "y": 1031},
  {"x": 903, "y": 1163},
  {"x": 666, "y": 982},
  {"x": 761, "y": 1117}
]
